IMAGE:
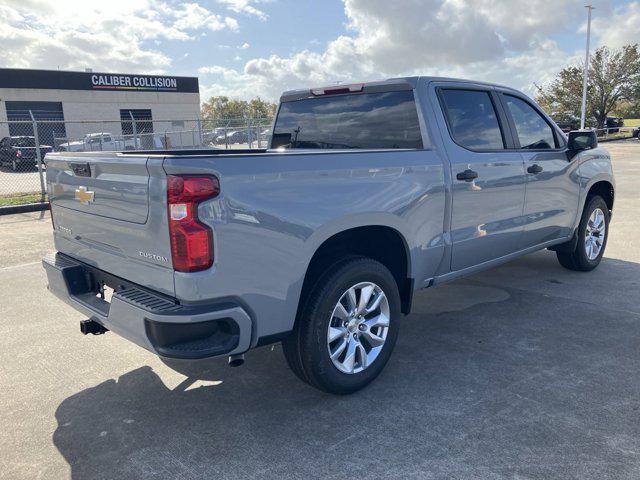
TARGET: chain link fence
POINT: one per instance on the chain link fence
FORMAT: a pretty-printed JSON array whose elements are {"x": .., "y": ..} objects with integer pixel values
[{"x": 26, "y": 139}]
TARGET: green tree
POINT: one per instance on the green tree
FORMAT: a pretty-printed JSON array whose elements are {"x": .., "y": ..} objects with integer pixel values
[
  {"x": 259, "y": 108},
  {"x": 223, "y": 108},
  {"x": 613, "y": 79}
]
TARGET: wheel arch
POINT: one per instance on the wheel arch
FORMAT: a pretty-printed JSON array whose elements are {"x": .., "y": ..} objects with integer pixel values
[
  {"x": 381, "y": 242},
  {"x": 603, "y": 188}
]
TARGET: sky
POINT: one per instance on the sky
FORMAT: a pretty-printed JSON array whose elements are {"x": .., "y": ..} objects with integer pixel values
[{"x": 248, "y": 48}]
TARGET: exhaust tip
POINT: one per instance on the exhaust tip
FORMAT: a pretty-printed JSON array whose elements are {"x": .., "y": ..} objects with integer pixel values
[{"x": 236, "y": 360}]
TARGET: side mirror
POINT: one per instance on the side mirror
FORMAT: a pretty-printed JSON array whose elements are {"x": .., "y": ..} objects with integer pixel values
[{"x": 582, "y": 140}]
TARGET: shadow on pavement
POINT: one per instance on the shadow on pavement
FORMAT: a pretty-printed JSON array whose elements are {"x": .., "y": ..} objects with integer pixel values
[{"x": 510, "y": 384}]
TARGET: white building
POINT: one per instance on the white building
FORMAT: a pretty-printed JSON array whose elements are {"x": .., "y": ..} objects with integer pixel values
[{"x": 69, "y": 105}]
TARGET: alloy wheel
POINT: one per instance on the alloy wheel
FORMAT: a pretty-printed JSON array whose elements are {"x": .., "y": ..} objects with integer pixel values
[{"x": 358, "y": 327}]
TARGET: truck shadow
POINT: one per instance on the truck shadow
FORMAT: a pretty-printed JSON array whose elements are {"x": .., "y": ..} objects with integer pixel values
[{"x": 520, "y": 383}]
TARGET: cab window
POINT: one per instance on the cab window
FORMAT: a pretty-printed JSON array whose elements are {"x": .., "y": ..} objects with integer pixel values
[
  {"x": 472, "y": 119},
  {"x": 534, "y": 133}
]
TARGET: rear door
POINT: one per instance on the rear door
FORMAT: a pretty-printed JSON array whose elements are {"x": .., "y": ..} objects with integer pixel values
[
  {"x": 488, "y": 177},
  {"x": 109, "y": 210},
  {"x": 552, "y": 188}
]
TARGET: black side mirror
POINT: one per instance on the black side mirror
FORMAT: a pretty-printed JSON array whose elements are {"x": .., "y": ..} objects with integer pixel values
[{"x": 581, "y": 140}]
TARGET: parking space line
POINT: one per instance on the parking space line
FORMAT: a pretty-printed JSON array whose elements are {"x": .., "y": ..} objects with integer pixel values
[{"x": 11, "y": 267}]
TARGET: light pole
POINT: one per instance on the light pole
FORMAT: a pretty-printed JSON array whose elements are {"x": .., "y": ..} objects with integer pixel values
[{"x": 585, "y": 77}]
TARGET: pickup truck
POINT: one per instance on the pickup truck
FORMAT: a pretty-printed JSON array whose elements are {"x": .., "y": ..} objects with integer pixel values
[
  {"x": 20, "y": 153},
  {"x": 366, "y": 194},
  {"x": 103, "y": 142}
]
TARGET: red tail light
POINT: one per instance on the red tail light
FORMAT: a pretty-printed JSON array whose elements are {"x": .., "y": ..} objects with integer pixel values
[
  {"x": 18, "y": 153},
  {"x": 191, "y": 241}
]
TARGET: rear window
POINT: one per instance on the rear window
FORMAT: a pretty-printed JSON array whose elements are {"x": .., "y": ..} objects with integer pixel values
[
  {"x": 364, "y": 121},
  {"x": 23, "y": 142}
]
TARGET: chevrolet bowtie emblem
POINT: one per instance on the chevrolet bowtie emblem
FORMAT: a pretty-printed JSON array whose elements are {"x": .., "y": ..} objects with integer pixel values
[{"x": 84, "y": 196}]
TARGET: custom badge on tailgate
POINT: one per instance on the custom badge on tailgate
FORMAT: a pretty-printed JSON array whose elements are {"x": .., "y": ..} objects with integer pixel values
[{"x": 84, "y": 196}]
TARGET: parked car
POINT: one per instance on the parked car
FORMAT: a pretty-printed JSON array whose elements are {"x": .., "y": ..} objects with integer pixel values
[
  {"x": 567, "y": 122},
  {"x": 613, "y": 124},
  {"x": 20, "y": 152},
  {"x": 232, "y": 137},
  {"x": 100, "y": 142},
  {"x": 368, "y": 193},
  {"x": 209, "y": 137}
]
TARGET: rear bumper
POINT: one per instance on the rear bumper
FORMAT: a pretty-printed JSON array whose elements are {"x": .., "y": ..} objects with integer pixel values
[{"x": 149, "y": 319}]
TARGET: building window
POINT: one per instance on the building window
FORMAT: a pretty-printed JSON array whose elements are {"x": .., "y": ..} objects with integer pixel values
[{"x": 49, "y": 118}]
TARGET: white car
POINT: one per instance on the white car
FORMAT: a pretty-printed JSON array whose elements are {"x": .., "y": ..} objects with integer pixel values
[{"x": 100, "y": 142}]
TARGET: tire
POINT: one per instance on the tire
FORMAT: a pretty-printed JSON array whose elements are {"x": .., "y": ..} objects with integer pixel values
[
  {"x": 582, "y": 258},
  {"x": 14, "y": 165},
  {"x": 307, "y": 349}
]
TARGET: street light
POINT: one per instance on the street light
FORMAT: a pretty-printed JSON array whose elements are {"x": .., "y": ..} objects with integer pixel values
[{"x": 585, "y": 77}]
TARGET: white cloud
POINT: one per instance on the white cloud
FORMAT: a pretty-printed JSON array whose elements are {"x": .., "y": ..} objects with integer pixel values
[
  {"x": 481, "y": 39},
  {"x": 244, "y": 46},
  {"x": 246, "y": 6},
  {"x": 192, "y": 16},
  {"x": 621, "y": 27},
  {"x": 119, "y": 35}
]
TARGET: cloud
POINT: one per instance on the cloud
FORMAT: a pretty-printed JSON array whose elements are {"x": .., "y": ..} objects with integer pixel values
[
  {"x": 620, "y": 28},
  {"x": 118, "y": 35},
  {"x": 192, "y": 16},
  {"x": 481, "y": 39},
  {"x": 246, "y": 7}
]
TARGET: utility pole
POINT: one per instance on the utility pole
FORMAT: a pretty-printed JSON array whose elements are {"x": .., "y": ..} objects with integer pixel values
[{"x": 585, "y": 78}]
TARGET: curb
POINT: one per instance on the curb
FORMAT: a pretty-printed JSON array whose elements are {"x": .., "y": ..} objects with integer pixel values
[{"x": 29, "y": 207}]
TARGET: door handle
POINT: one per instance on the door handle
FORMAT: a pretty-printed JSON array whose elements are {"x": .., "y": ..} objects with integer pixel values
[
  {"x": 467, "y": 176},
  {"x": 535, "y": 168}
]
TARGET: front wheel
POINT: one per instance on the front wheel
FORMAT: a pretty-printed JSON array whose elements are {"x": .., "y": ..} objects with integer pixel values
[
  {"x": 592, "y": 237},
  {"x": 348, "y": 327}
]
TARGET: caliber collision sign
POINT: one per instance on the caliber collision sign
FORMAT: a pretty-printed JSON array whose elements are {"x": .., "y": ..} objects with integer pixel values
[
  {"x": 133, "y": 82},
  {"x": 61, "y": 80}
]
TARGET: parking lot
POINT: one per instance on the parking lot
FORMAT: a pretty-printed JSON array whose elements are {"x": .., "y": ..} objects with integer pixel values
[{"x": 525, "y": 371}]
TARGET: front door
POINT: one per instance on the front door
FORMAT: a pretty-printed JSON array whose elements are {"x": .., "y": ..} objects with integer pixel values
[
  {"x": 552, "y": 188},
  {"x": 488, "y": 176}
]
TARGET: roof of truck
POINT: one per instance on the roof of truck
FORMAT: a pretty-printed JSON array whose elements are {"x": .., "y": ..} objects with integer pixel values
[{"x": 396, "y": 83}]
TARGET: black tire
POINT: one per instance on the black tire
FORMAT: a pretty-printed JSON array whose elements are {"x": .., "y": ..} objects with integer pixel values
[
  {"x": 577, "y": 259},
  {"x": 306, "y": 349},
  {"x": 14, "y": 165}
]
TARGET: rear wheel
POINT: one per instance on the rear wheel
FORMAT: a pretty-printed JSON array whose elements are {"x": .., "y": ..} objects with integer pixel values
[
  {"x": 592, "y": 237},
  {"x": 348, "y": 327},
  {"x": 14, "y": 165}
]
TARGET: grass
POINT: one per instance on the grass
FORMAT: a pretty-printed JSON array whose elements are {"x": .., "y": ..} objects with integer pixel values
[
  {"x": 632, "y": 122},
  {"x": 22, "y": 199}
]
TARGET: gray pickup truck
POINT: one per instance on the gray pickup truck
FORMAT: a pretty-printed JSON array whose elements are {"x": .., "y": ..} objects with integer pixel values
[{"x": 368, "y": 193}]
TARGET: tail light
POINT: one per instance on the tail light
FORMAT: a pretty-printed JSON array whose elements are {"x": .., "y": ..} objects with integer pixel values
[
  {"x": 18, "y": 153},
  {"x": 191, "y": 241}
]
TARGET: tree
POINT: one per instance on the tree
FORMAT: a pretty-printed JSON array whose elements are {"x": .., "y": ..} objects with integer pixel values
[
  {"x": 221, "y": 108},
  {"x": 614, "y": 75},
  {"x": 259, "y": 108}
]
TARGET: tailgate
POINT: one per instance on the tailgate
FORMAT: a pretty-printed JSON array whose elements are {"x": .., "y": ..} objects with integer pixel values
[{"x": 109, "y": 210}]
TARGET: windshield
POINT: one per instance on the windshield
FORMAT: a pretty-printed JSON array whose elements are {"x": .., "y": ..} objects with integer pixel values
[{"x": 364, "y": 121}]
